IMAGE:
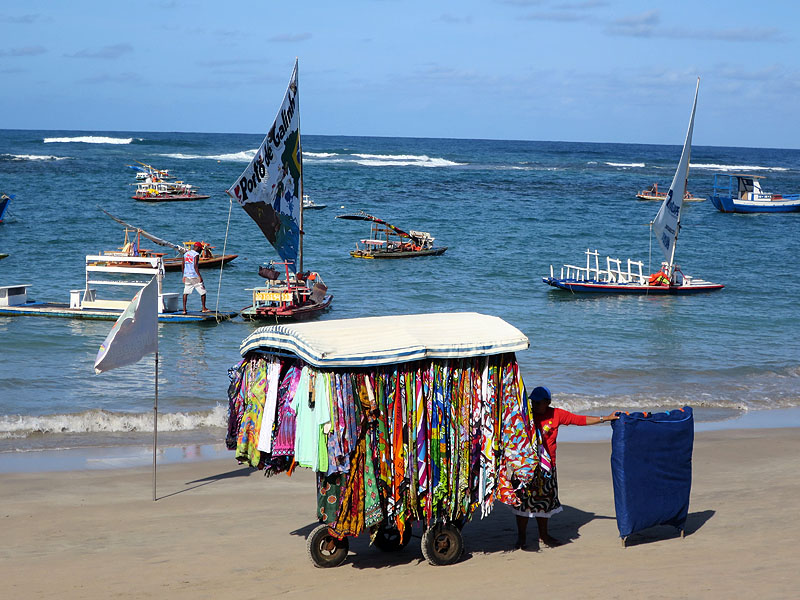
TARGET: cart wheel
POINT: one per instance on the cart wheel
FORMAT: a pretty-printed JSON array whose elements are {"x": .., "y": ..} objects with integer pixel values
[
  {"x": 388, "y": 539},
  {"x": 442, "y": 544},
  {"x": 324, "y": 550}
]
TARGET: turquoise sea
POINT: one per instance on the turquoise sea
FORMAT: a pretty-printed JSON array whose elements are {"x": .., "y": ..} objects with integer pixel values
[{"x": 506, "y": 210}]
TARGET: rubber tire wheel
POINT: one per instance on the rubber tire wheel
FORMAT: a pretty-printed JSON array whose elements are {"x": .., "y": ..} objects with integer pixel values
[
  {"x": 319, "y": 555},
  {"x": 388, "y": 538},
  {"x": 442, "y": 544}
]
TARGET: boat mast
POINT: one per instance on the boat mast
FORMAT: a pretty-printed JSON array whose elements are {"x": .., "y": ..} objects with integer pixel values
[{"x": 300, "y": 149}]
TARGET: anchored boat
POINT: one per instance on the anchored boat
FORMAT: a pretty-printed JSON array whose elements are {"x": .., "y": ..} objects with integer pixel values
[
  {"x": 107, "y": 271},
  {"x": 270, "y": 190},
  {"x": 631, "y": 280},
  {"x": 388, "y": 241},
  {"x": 743, "y": 194},
  {"x": 652, "y": 193}
]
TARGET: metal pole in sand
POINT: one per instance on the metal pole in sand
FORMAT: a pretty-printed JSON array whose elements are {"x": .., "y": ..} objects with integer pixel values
[{"x": 155, "y": 431}]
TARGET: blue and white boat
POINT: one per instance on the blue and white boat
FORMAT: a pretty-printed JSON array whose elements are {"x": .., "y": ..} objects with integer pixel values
[
  {"x": 735, "y": 193},
  {"x": 4, "y": 200},
  {"x": 615, "y": 279}
]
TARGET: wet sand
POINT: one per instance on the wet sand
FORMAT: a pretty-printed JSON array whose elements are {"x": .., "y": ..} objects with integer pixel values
[{"x": 221, "y": 530}]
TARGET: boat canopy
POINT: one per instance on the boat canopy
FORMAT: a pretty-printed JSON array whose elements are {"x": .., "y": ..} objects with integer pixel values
[{"x": 371, "y": 341}]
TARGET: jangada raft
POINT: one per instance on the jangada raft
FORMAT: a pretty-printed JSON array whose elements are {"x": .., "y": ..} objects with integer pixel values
[
  {"x": 615, "y": 279},
  {"x": 270, "y": 190},
  {"x": 388, "y": 241},
  {"x": 413, "y": 419}
]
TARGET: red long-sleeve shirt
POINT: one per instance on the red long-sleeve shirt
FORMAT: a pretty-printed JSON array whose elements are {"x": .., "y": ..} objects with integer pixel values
[{"x": 549, "y": 422}]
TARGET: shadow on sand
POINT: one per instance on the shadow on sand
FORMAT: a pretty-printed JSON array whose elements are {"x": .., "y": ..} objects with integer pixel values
[
  {"x": 694, "y": 521},
  {"x": 492, "y": 534}
]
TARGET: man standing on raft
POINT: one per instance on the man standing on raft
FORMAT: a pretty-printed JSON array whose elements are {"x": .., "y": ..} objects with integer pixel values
[{"x": 192, "y": 280}]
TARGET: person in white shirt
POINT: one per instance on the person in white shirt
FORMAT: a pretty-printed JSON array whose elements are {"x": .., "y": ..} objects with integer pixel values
[{"x": 192, "y": 280}]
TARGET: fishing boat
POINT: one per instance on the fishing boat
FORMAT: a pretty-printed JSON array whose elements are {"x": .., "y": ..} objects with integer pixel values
[
  {"x": 270, "y": 190},
  {"x": 157, "y": 190},
  {"x": 615, "y": 279},
  {"x": 652, "y": 193},
  {"x": 5, "y": 199},
  {"x": 110, "y": 272},
  {"x": 388, "y": 241},
  {"x": 309, "y": 204},
  {"x": 145, "y": 171},
  {"x": 131, "y": 246},
  {"x": 734, "y": 193}
]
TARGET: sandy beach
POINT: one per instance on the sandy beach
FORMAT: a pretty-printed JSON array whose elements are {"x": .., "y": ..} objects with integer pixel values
[{"x": 221, "y": 530}]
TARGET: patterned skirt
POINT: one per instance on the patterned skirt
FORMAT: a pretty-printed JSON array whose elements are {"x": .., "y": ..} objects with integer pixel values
[{"x": 540, "y": 498}]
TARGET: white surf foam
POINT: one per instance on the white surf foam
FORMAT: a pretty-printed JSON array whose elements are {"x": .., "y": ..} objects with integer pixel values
[
  {"x": 742, "y": 168},
  {"x": 319, "y": 154},
  {"x": 88, "y": 139},
  {"x": 625, "y": 165},
  {"x": 22, "y": 157},
  {"x": 243, "y": 156},
  {"x": 102, "y": 421}
]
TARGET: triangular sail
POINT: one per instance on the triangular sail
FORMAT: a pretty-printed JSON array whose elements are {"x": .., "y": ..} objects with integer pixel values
[
  {"x": 270, "y": 188},
  {"x": 666, "y": 225}
]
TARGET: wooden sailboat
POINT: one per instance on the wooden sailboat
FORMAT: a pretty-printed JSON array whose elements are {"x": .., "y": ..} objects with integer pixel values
[
  {"x": 270, "y": 190},
  {"x": 615, "y": 279},
  {"x": 132, "y": 247},
  {"x": 388, "y": 241}
]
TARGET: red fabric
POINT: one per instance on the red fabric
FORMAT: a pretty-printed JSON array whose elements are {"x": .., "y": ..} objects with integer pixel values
[{"x": 548, "y": 424}]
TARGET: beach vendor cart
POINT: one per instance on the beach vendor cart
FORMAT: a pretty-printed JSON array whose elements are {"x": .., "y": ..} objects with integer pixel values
[{"x": 412, "y": 418}]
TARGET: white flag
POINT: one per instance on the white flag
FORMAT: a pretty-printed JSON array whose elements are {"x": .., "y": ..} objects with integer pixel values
[{"x": 134, "y": 335}]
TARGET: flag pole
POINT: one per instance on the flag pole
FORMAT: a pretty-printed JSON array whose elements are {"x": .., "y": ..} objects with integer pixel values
[{"x": 155, "y": 431}]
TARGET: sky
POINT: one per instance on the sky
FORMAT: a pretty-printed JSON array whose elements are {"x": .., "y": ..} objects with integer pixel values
[{"x": 593, "y": 71}]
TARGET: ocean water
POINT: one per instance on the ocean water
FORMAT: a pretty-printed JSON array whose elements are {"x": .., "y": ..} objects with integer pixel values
[{"x": 506, "y": 210}]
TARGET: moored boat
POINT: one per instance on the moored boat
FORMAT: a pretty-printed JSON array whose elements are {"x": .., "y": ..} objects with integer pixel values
[
  {"x": 131, "y": 246},
  {"x": 631, "y": 280},
  {"x": 111, "y": 272},
  {"x": 163, "y": 191},
  {"x": 736, "y": 193},
  {"x": 388, "y": 241},
  {"x": 309, "y": 204},
  {"x": 270, "y": 190},
  {"x": 652, "y": 193},
  {"x": 5, "y": 199}
]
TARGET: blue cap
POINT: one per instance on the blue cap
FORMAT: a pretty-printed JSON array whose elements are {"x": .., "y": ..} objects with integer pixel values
[{"x": 540, "y": 393}]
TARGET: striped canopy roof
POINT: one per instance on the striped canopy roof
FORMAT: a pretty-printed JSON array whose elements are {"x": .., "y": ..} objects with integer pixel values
[{"x": 373, "y": 341}]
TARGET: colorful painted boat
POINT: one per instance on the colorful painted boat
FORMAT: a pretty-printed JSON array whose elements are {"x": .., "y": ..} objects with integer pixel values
[
  {"x": 270, "y": 190},
  {"x": 734, "y": 193},
  {"x": 614, "y": 279},
  {"x": 388, "y": 241}
]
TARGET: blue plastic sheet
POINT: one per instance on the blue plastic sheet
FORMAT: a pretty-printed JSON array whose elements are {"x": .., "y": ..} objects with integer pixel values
[{"x": 651, "y": 465}]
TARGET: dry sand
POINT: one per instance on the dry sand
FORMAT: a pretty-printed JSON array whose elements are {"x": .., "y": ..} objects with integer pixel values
[{"x": 219, "y": 530}]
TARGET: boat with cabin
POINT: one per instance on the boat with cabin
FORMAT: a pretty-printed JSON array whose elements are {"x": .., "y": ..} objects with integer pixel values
[
  {"x": 163, "y": 191},
  {"x": 388, "y": 241},
  {"x": 270, "y": 190},
  {"x": 652, "y": 193},
  {"x": 613, "y": 279},
  {"x": 107, "y": 271},
  {"x": 309, "y": 204},
  {"x": 738, "y": 193}
]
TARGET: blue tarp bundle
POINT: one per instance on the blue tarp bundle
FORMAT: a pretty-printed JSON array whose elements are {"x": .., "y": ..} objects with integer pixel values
[{"x": 651, "y": 465}]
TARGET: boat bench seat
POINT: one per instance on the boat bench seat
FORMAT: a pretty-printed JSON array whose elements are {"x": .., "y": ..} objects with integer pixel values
[{"x": 115, "y": 304}]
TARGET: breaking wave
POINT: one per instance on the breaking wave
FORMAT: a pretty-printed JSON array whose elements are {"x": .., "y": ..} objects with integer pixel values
[
  {"x": 103, "y": 421},
  {"x": 88, "y": 139},
  {"x": 31, "y": 157},
  {"x": 625, "y": 165},
  {"x": 743, "y": 168},
  {"x": 243, "y": 156}
]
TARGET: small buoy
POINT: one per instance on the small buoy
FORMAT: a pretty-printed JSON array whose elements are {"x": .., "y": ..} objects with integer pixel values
[{"x": 342, "y": 206}]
